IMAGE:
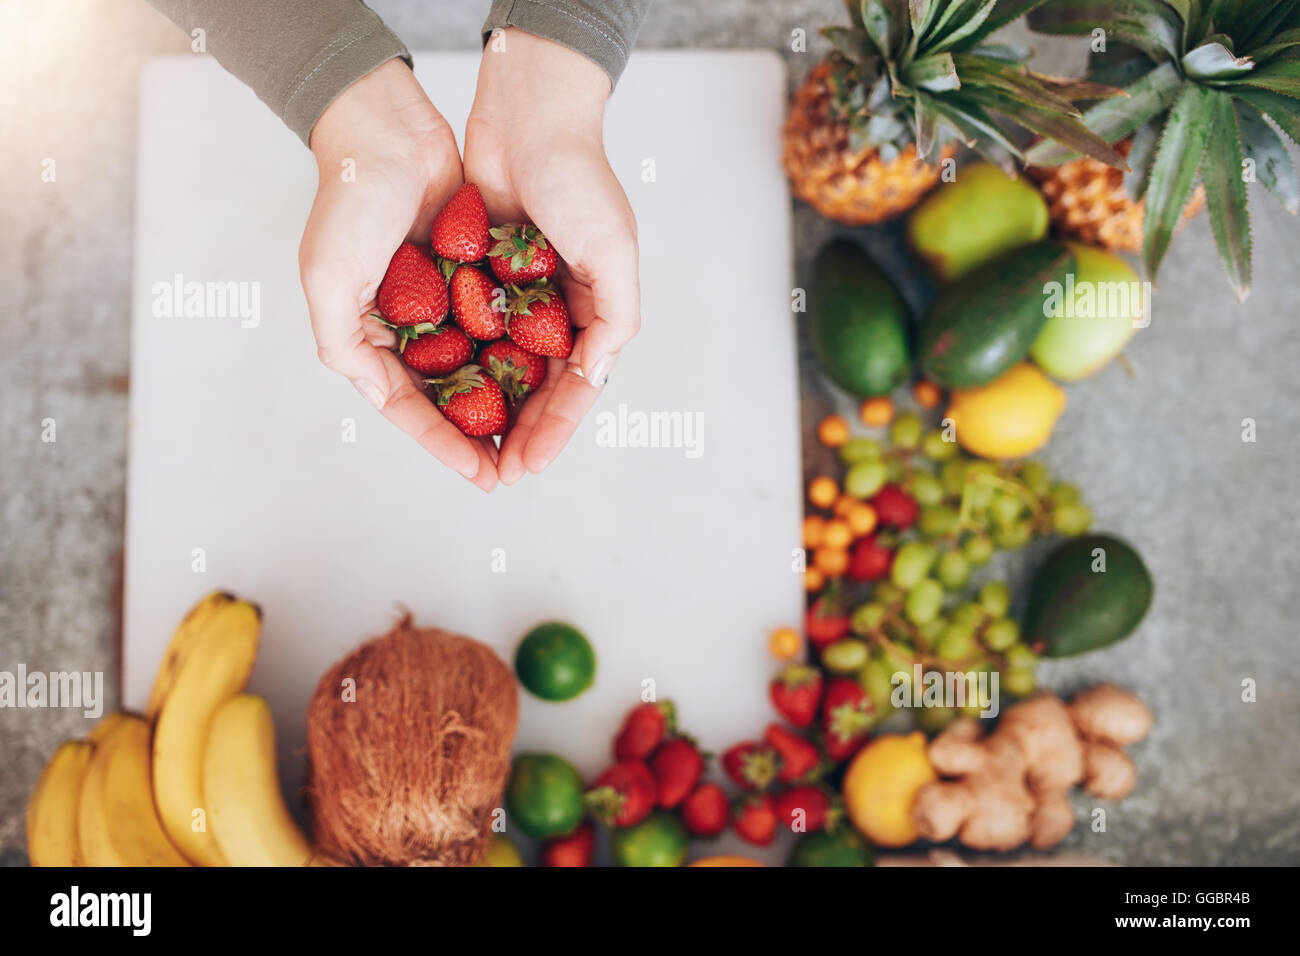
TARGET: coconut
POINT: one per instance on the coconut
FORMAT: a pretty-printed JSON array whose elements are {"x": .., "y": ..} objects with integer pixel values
[{"x": 408, "y": 739}]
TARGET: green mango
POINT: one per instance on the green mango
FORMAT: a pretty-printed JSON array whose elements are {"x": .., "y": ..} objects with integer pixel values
[
  {"x": 857, "y": 322},
  {"x": 840, "y": 847},
  {"x": 1098, "y": 312},
  {"x": 979, "y": 327},
  {"x": 973, "y": 220},
  {"x": 1074, "y": 606}
]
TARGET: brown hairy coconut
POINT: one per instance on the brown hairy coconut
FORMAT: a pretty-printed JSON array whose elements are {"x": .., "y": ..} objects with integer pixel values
[{"x": 409, "y": 744}]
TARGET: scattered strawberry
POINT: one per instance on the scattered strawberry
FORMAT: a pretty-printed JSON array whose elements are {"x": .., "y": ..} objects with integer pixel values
[
  {"x": 677, "y": 766},
  {"x": 750, "y": 764},
  {"x": 622, "y": 795},
  {"x": 473, "y": 295},
  {"x": 516, "y": 370},
  {"x": 803, "y": 809},
  {"x": 870, "y": 560},
  {"x": 796, "y": 694},
  {"x": 413, "y": 291},
  {"x": 799, "y": 758},
  {"x": 443, "y": 350},
  {"x": 521, "y": 254},
  {"x": 895, "y": 508},
  {"x": 472, "y": 401},
  {"x": 755, "y": 819},
  {"x": 827, "y": 619},
  {"x": 460, "y": 231},
  {"x": 846, "y": 718},
  {"x": 576, "y": 849},
  {"x": 644, "y": 728},
  {"x": 705, "y": 812},
  {"x": 539, "y": 322}
]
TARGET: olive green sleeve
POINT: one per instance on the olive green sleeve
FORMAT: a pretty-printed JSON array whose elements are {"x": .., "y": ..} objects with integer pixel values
[
  {"x": 601, "y": 30},
  {"x": 296, "y": 55}
]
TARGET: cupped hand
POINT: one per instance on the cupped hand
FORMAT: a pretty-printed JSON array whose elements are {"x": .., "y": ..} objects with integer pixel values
[
  {"x": 533, "y": 145},
  {"x": 386, "y": 163}
]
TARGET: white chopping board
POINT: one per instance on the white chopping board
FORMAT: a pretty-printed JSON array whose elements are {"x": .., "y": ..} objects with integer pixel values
[{"x": 676, "y": 566}]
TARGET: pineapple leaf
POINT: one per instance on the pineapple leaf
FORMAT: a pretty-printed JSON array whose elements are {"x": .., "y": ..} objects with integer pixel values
[
  {"x": 1005, "y": 52},
  {"x": 1141, "y": 148},
  {"x": 1120, "y": 64},
  {"x": 1225, "y": 193},
  {"x": 1214, "y": 61},
  {"x": 1066, "y": 130},
  {"x": 1113, "y": 119},
  {"x": 936, "y": 73},
  {"x": 878, "y": 19},
  {"x": 1068, "y": 88},
  {"x": 1272, "y": 162},
  {"x": 1280, "y": 76},
  {"x": 1282, "y": 110},
  {"x": 921, "y": 12},
  {"x": 1007, "y": 11},
  {"x": 1277, "y": 43},
  {"x": 953, "y": 10},
  {"x": 1015, "y": 82},
  {"x": 1173, "y": 172},
  {"x": 927, "y": 125},
  {"x": 851, "y": 43},
  {"x": 1149, "y": 25},
  {"x": 1267, "y": 17},
  {"x": 966, "y": 29},
  {"x": 1189, "y": 12},
  {"x": 978, "y": 130}
]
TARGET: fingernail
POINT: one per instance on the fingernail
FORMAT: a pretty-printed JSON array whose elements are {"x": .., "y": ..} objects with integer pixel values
[
  {"x": 369, "y": 391},
  {"x": 600, "y": 371}
]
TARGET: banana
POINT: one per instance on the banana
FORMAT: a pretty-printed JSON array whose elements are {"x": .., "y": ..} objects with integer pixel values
[
  {"x": 215, "y": 668},
  {"x": 186, "y": 634},
  {"x": 116, "y": 821},
  {"x": 52, "y": 809},
  {"x": 241, "y": 789}
]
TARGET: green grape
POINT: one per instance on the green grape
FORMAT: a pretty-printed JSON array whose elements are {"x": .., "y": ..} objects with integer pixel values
[
  {"x": 972, "y": 708},
  {"x": 874, "y": 678},
  {"x": 1063, "y": 493},
  {"x": 897, "y": 631},
  {"x": 937, "y": 521},
  {"x": 934, "y": 719},
  {"x": 956, "y": 643},
  {"x": 977, "y": 549},
  {"x": 1021, "y": 657},
  {"x": 860, "y": 449},
  {"x": 845, "y": 655},
  {"x": 1001, "y": 634},
  {"x": 970, "y": 614},
  {"x": 952, "y": 570},
  {"x": 905, "y": 432},
  {"x": 887, "y": 593},
  {"x": 923, "y": 601},
  {"x": 1006, "y": 508},
  {"x": 995, "y": 597},
  {"x": 980, "y": 496},
  {"x": 953, "y": 477},
  {"x": 1014, "y": 536},
  {"x": 1071, "y": 519},
  {"x": 867, "y": 617},
  {"x": 936, "y": 448},
  {"x": 1036, "y": 477},
  {"x": 981, "y": 466},
  {"x": 912, "y": 563},
  {"x": 931, "y": 630},
  {"x": 894, "y": 471},
  {"x": 925, "y": 488},
  {"x": 1019, "y": 681},
  {"x": 865, "y": 478}
]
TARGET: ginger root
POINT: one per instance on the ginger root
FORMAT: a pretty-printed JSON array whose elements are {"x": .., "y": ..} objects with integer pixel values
[{"x": 1011, "y": 787}]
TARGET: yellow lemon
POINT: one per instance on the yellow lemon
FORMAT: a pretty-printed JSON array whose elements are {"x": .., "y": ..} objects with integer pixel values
[
  {"x": 726, "y": 861},
  {"x": 881, "y": 785},
  {"x": 1010, "y": 417}
]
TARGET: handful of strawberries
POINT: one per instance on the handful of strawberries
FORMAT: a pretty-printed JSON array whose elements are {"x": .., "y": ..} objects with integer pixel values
[{"x": 497, "y": 284}]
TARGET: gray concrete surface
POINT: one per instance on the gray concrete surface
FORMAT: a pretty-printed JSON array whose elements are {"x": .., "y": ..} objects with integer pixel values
[{"x": 1159, "y": 455}]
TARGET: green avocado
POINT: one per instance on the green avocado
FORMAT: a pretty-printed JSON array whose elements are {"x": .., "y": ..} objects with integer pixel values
[
  {"x": 858, "y": 322},
  {"x": 1090, "y": 592},
  {"x": 843, "y": 847},
  {"x": 981, "y": 326}
]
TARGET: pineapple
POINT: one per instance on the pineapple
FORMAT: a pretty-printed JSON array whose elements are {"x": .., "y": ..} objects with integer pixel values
[
  {"x": 1210, "y": 83},
  {"x": 906, "y": 82}
]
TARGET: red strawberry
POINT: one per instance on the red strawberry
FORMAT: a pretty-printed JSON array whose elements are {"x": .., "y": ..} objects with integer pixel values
[
  {"x": 460, "y": 231},
  {"x": 677, "y": 766},
  {"x": 706, "y": 811},
  {"x": 539, "y": 322},
  {"x": 443, "y": 350},
  {"x": 895, "y": 508},
  {"x": 846, "y": 718},
  {"x": 870, "y": 560},
  {"x": 796, "y": 693},
  {"x": 803, "y": 809},
  {"x": 413, "y": 292},
  {"x": 521, "y": 254},
  {"x": 644, "y": 729},
  {"x": 622, "y": 795},
  {"x": 799, "y": 758},
  {"x": 750, "y": 764},
  {"x": 755, "y": 820},
  {"x": 827, "y": 620},
  {"x": 516, "y": 370},
  {"x": 576, "y": 849},
  {"x": 472, "y": 401},
  {"x": 473, "y": 295}
]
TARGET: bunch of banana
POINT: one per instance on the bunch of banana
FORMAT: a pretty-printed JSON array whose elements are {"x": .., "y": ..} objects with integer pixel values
[{"x": 192, "y": 781}]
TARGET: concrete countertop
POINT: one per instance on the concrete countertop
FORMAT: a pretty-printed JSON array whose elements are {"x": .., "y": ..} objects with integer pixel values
[{"x": 1159, "y": 456}]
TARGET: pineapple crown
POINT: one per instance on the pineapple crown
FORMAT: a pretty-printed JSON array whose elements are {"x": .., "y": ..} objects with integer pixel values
[
  {"x": 1203, "y": 78},
  {"x": 920, "y": 71}
]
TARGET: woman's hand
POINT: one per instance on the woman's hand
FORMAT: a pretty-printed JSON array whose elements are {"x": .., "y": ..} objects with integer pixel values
[
  {"x": 386, "y": 162},
  {"x": 533, "y": 145}
]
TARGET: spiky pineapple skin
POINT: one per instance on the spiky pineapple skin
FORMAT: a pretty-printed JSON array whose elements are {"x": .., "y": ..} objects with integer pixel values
[
  {"x": 854, "y": 187},
  {"x": 1086, "y": 200}
]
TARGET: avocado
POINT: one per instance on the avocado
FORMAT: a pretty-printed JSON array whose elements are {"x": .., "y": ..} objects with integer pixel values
[
  {"x": 1073, "y": 608},
  {"x": 981, "y": 326},
  {"x": 841, "y": 847},
  {"x": 857, "y": 322}
]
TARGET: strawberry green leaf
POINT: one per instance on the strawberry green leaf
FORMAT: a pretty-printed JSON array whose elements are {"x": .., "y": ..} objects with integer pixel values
[
  {"x": 1225, "y": 194},
  {"x": 1173, "y": 172},
  {"x": 1066, "y": 130},
  {"x": 1214, "y": 61},
  {"x": 1272, "y": 162}
]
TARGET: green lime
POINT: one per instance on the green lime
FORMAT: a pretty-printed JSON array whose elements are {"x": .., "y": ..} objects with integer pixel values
[
  {"x": 840, "y": 847},
  {"x": 658, "y": 840},
  {"x": 555, "y": 661},
  {"x": 544, "y": 796}
]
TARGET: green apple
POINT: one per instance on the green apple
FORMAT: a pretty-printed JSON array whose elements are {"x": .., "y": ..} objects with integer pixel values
[
  {"x": 1093, "y": 315},
  {"x": 974, "y": 219}
]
